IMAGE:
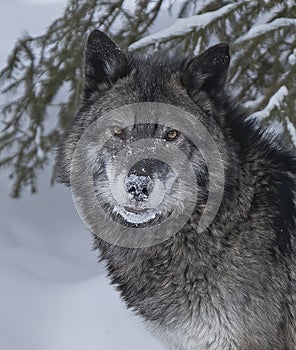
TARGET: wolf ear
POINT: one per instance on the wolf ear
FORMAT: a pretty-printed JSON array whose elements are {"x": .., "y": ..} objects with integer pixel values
[
  {"x": 207, "y": 71},
  {"x": 104, "y": 62}
]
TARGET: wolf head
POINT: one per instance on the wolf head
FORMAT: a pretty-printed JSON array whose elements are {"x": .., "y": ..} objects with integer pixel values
[{"x": 150, "y": 189}]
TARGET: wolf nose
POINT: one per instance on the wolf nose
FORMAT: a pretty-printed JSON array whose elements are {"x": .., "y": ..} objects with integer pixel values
[{"x": 138, "y": 186}]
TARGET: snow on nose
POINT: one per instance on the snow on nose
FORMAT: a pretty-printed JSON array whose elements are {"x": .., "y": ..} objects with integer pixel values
[{"x": 139, "y": 187}]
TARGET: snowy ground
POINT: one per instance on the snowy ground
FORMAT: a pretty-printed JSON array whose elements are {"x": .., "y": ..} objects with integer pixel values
[{"x": 54, "y": 295}]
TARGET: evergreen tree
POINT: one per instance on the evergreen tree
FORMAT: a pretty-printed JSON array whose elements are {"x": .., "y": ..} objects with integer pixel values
[{"x": 261, "y": 35}]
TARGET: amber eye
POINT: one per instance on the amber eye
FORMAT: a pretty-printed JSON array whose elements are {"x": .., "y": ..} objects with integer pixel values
[
  {"x": 117, "y": 131},
  {"x": 172, "y": 135}
]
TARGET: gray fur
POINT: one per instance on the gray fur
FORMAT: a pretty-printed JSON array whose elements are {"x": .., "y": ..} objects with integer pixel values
[{"x": 233, "y": 286}]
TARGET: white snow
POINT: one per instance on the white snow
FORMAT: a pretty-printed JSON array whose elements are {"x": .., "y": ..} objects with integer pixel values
[
  {"x": 197, "y": 47},
  {"x": 292, "y": 58},
  {"x": 136, "y": 218},
  {"x": 269, "y": 15},
  {"x": 262, "y": 29},
  {"x": 40, "y": 152},
  {"x": 49, "y": 315},
  {"x": 274, "y": 102},
  {"x": 290, "y": 3},
  {"x": 183, "y": 26},
  {"x": 292, "y": 130}
]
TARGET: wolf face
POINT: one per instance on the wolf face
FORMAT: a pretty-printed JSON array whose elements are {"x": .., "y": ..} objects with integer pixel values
[
  {"x": 161, "y": 128},
  {"x": 145, "y": 191},
  {"x": 149, "y": 191}
]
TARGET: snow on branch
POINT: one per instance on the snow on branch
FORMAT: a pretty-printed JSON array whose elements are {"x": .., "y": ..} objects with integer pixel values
[
  {"x": 183, "y": 26},
  {"x": 265, "y": 28},
  {"x": 275, "y": 101},
  {"x": 292, "y": 58},
  {"x": 292, "y": 130}
]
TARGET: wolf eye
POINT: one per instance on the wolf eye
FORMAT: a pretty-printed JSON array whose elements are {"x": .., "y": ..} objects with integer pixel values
[
  {"x": 172, "y": 135},
  {"x": 117, "y": 131}
]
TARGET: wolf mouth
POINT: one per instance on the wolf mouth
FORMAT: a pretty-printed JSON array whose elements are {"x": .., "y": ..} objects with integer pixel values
[
  {"x": 136, "y": 210},
  {"x": 133, "y": 216}
]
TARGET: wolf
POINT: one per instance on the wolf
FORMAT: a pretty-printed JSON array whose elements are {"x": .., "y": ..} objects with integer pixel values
[{"x": 232, "y": 285}]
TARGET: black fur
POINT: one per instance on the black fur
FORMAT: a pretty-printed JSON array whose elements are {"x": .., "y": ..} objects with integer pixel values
[{"x": 232, "y": 286}]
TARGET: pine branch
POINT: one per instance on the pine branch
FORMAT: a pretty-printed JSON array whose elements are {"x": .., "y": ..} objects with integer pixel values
[
  {"x": 42, "y": 80},
  {"x": 265, "y": 29},
  {"x": 40, "y": 67},
  {"x": 185, "y": 26}
]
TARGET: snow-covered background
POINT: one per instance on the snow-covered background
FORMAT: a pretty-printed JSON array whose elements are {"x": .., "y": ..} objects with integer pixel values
[{"x": 54, "y": 294}]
